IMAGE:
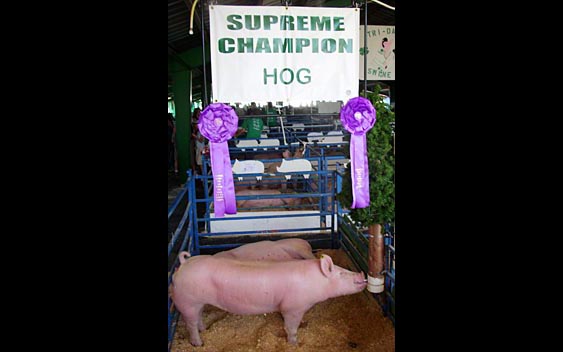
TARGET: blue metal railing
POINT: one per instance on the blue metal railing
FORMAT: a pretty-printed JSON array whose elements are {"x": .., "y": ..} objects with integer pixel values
[
  {"x": 181, "y": 240},
  {"x": 390, "y": 271},
  {"x": 355, "y": 243},
  {"x": 324, "y": 194},
  {"x": 322, "y": 184}
]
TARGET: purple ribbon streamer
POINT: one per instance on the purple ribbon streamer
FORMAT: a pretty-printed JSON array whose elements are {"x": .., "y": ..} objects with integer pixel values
[
  {"x": 223, "y": 186},
  {"x": 360, "y": 171},
  {"x": 358, "y": 117}
]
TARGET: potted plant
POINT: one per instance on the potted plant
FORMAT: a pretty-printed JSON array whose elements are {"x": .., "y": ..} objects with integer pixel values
[{"x": 381, "y": 209}]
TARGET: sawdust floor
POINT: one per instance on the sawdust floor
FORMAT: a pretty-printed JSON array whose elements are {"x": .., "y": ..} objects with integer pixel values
[{"x": 347, "y": 323}]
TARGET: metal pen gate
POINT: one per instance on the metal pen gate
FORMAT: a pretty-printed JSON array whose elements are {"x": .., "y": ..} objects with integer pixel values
[{"x": 323, "y": 184}]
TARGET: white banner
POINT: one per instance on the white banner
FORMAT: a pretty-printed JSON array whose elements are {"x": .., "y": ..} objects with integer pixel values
[
  {"x": 381, "y": 53},
  {"x": 274, "y": 53}
]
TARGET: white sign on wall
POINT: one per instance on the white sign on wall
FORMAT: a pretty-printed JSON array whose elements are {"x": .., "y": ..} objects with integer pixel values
[
  {"x": 274, "y": 53},
  {"x": 380, "y": 53}
]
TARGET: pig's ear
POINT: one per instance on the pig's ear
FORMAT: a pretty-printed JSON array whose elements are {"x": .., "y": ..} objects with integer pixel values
[{"x": 326, "y": 265}]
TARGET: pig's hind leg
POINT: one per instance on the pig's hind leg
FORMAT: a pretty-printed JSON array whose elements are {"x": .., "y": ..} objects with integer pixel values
[
  {"x": 291, "y": 323},
  {"x": 200, "y": 324},
  {"x": 194, "y": 323}
]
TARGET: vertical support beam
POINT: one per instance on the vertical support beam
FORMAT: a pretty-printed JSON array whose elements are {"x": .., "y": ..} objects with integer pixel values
[
  {"x": 365, "y": 48},
  {"x": 205, "y": 101},
  {"x": 182, "y": 96}
]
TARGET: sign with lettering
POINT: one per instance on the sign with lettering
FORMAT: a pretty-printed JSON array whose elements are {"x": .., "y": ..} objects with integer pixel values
[
  {"x": 380, "y": 53},
  {"x": 278, "y": 53}
]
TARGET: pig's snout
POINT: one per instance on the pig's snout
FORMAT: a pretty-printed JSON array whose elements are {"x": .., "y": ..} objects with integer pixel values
[{"x": 360, "y": 279}]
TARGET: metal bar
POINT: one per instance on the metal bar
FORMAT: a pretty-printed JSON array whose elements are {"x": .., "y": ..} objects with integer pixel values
[
  {"x": 222, "y": 245},
  {"x": 316, "y": 114},
  {"x": 178, "y": 14},
  {"x": 277, "y": 175},
  {"x": 313, "y": 172},
  {"x": 231, "y": 245},
  {"x": 195, "y": 230},
  {"x": 186, "y": 240},
  {"x": 338, "y": 218},
  {"x": 261, "y": 217},
  {"x": 365, "y": 47},
  {"x": 358, "y": 239},
  {"x": 181, "y": 23},
  {"x": 186, "y": 243},
  {"x": 173, "y": 314},
  {"x": 205, "y": 181},
  {"x": 179, "y": 197},
  {"x": 205, "y": 101},
  {"x": 279, "y": 207},
  {"x": 265, "y": 232},
  {"x": 176, "y": 35},
  {"x": 283, "y": 196},
  {"x": 174, "y": 324},
  {"x": 362, "y": 250},
  {"x": 179, "y": 229},
  {"x": 334, "y": 208},
  {"x": 269, "y": 196},
  {"x": 356, "y": 259},
  {"x": 283, "y": 130}
]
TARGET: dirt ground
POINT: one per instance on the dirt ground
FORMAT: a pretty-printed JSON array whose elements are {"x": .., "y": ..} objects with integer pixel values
[{"x": 347, "y": 323}]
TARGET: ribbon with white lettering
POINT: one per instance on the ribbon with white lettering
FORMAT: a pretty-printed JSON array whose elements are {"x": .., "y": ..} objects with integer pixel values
[
  {"x": 218, "y": 122},
  {"x": 358, "y": 117}
]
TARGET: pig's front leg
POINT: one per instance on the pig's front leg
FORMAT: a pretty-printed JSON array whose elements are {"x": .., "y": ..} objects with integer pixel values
[{"x": 292, "y": 319}]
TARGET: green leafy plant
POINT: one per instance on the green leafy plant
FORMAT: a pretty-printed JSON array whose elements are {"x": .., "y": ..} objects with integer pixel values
[{"x": 381, "y": 170}]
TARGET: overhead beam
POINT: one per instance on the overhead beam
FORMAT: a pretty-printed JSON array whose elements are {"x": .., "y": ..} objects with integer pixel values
[
  {"x": 175, "y": 37},
  {"x": 337, "y": 3}
]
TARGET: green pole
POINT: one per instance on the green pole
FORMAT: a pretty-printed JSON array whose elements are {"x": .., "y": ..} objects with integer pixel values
[{"x": 181, "y": 88}]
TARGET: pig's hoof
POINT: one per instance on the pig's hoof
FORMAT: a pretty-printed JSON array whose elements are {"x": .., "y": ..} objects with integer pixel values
[
  {"x": 196, "y": 343},
  {"x": 292, "y": 341}
]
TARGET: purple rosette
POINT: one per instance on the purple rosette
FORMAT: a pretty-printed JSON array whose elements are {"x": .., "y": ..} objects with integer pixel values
[
  {"x": 218, "y": 122},
  {"x": 358, "y": 117}
]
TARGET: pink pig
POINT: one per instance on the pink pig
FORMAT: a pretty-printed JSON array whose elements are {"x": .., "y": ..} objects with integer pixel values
[
  {"x": 285, "y": 249},
  {"x": 258, "y": 287}
]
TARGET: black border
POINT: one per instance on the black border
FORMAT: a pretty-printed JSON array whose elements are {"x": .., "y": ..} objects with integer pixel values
[
  {"x": 470, "y": 136},
  {"x": 94, "y": 243},
  {"x": 92, "y": 248}
]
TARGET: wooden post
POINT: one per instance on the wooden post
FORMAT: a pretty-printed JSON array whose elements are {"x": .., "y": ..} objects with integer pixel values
[{"x": 376, "y": 260}]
